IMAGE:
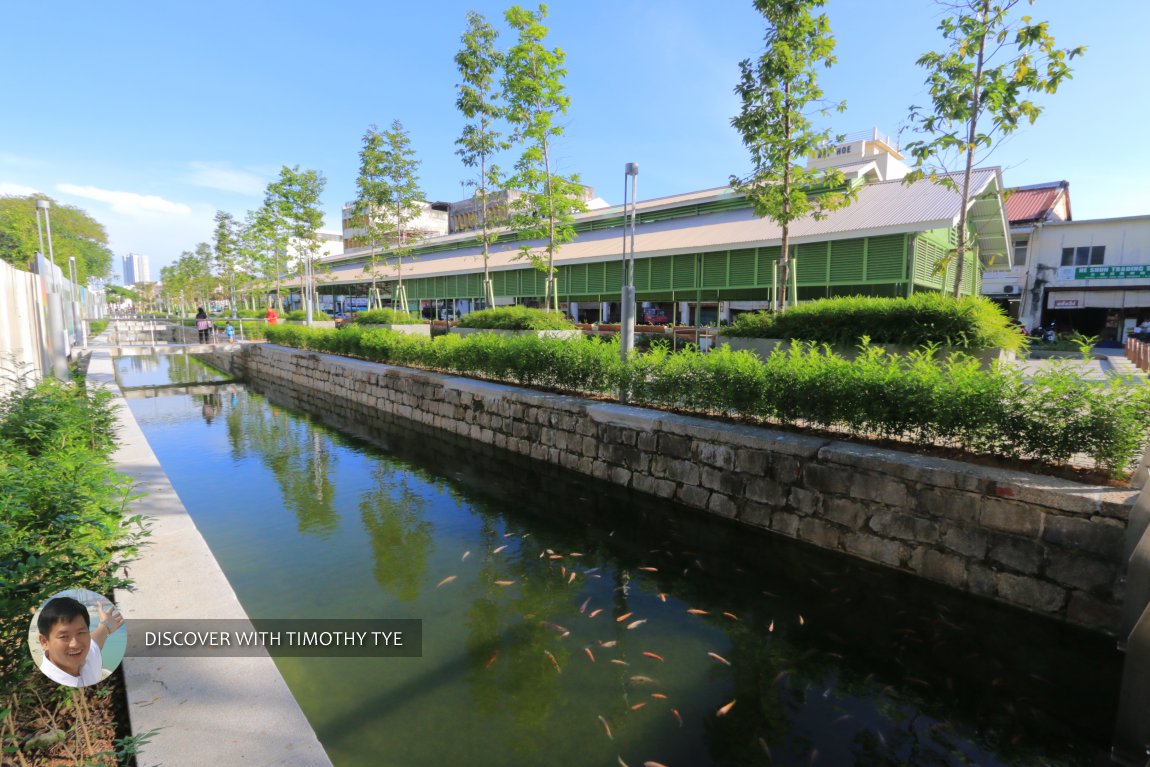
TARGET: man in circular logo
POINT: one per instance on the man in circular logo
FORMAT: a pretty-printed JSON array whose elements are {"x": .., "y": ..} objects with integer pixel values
[{"x": 72, "y": 654}]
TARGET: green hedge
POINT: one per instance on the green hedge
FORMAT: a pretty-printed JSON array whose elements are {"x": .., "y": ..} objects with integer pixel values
[
  {"x": 515, "y": 318},
  {"x": 924, "y": 319},
  {"x": 301, "y": 314},
  {"x": 96, "y": 327},
  {"x": 62, "y": 508},
  {"x": 1051, "y": 416},
  {"x": 387, "y": 317}
]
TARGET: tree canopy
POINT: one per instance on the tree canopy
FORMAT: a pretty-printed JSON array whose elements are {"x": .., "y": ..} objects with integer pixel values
[{"x": 74, "y": 234}]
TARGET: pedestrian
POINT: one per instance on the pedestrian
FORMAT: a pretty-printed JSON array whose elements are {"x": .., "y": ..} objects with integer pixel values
[
  {"x": 203, "y": 325},
  {"x": 272, "y": 317},
  {"x": 230, "y": 332}
]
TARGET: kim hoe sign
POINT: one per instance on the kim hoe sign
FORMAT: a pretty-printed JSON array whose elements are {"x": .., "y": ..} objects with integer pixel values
[{"x": 1128, "y": 272}]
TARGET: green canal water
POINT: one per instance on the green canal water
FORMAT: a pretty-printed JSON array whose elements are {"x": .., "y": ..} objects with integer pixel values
[{"x": 568, "y": 622}]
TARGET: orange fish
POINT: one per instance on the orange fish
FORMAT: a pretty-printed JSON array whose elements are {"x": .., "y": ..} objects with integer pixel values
[
  {"x": 695, "y": 611},
  {"x": 612, "y": 643},
  {"x": 555, "y": 556},
  {"x": 653, "y": 655},
  {"x": 572, "y": 578},
  {"x": 636, "y": 624},
  {"x": 662, "y": 597},
  {"x": 575, "y": 554},
  {"x": 653, "y": 764},
  {"x": 504, "y": 583},
  {"x": 618, "y": 662},
  {"x": 771, "y": 627},
  {"x": 678, "y": 717},
  {"x": 595, "y": 612},
  {"x": 445, "y": 581},
  {"x": 732, "y": 616},
  {"x": 563, "y": 572},
  {"x": 650, "y": 569},
  {"x": 607, "y": 727},
  {"x": 658, "y": 695},
  {"x": 590, "y": 654},
  {"x": 554, "y": 662},
  {"x": 725, "y": 709},
  {"x": 719, "y": 658},
  {"x": 801, "y": 621},
  {"x": 638, "y": 706},
  {"x": 491, "y": 658},
  {"x": 623, "y": 617}
]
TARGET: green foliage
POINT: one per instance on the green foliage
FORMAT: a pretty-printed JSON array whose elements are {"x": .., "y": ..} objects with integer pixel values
[
  {"x": 292, "y": 210},
  {"x": 387, "y": 317},
  {"x": 515, "y": 318},
  {"x": 924, "y": 319},
  {"x": 74, "y": 234},
  {"x": 778, "y": 93},
  {"x": 301, "y": 314},
  {"x": 96, "y": 327},
  {"x": 62, "y": 521},
  {"x": 965, "y": 87},
  {"x": 1052, "y": 416},
  {"x": 536, "y": 98}
]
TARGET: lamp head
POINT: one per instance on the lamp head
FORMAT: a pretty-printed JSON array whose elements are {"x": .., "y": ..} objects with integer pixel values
[
  {"x": 632, "y": 169},
  {"x": 43, "y": 205}
]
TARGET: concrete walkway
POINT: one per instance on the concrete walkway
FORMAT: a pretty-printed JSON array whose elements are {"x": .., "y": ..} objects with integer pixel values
[
  {"x": 218, "y": 710},
  {"x": 1106, "y": 363}
]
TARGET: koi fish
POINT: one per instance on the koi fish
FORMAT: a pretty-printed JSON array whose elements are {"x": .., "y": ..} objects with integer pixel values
[
  {"x": 766, "y": 749},
  {"x": 575, "y": 554},
  {"x": 642, "y": 680},
  {"x": 563, "y": 572},
  {"x": 719, "y": 658},
  {"x": 623, "y": 617},
  {"x": 653, "y": 655},
  {"x": 607, "y": 727},
  {"x": 732, "y": 616},
  {"x": 491, "y": 658},
  {"x": 653, "y": 764},
  {"x": 526, "y": 536},
  {"x": 508, "y": 535},
  {"x": 779, "y": 677},
  {"x": 501, "y": 548},
  {"x": 618, "y": 662},
  {"x": 595, "y": 612},
  {"x": 771, "y": 627},
  {"x": 725, "y": 709},
  {"x": 801, "y": 621},
  {"x": 554, "y": 662},
  {"x": 658, "y": 696},
  {"x": 583, "y": 607},
  {"x": 612, "y": 643},
  {"x": 592, "y": 570},
  {"x": 554, "y": 556},
  {"x": 445, "y": 581},
  {"x": 678, "y": 717},
  {"x": 696, "y": 611},
  {"x": 590, "y": 654},
  {"x": 466, "y": 554},
  {"x": 638, "y": 706},
  {"x": 504, "y": 583},
  {"x": 662, "y": 597},
  {"x": 621, "y": 762},
  {"x": 636, "y": 624},
  {"x": 571, "y": 578},
  {"x": 650, "y": 569}
]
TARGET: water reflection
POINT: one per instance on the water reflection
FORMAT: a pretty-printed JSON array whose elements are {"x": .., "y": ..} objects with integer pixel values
[{"x": 570, "y": 622}]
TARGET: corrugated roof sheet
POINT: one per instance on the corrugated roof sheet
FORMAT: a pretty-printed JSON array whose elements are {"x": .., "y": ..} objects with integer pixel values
[
  {"x": 888, "y": 207},
  {"x": 1032, "y": 203}
]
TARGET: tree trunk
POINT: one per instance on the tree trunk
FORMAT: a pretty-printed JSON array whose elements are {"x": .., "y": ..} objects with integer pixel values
[{"x": 960, "y": 248}]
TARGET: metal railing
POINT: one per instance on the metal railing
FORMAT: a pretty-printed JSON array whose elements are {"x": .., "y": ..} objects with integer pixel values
[{"x": 1138, "y": 352}]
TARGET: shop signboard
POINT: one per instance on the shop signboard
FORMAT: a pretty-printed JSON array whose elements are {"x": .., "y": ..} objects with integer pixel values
[{"x": 1114, "y": 272}]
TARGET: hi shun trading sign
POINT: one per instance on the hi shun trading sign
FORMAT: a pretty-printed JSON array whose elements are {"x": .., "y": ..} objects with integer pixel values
[{"x": 1128, "y": 272}]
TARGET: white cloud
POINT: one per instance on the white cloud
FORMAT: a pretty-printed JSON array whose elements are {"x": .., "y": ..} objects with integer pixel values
[
  {"x": 127, "y": 203},
  {"x": 217, "y": 175},
  {"x": 16, "y": 190}
]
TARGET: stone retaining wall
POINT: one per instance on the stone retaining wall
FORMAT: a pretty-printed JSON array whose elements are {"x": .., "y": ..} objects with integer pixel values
[{"x": 1044, "y": 544}]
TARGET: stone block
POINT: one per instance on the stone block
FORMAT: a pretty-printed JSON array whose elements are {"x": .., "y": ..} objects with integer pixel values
[
  {"x": 1011, "y": 517},
  {"x": 1079, "y": 572},
  {"x": 755, "y": 514},
  {"x": 674, "y": 446},
  {"x": 871, "y": 487},
  {"x": 965, "y": 541},
  {"x": 620, "y": 476},
  {"x": 874, "y": 548},
  {"x": 755, "y": 462},
  {"x": 803, "y": 501},
  {"x": 1019, "y": 555},
  {"x": 826, "y": 479},
  {"x": 951, "y": 505},
  {"x": 722, "y": 505},
  {"x": 814, "y": 530},
  {"x": 1030, "y": 593},
  {"x": 648, "y": 442},
  {"x": 894, "y": 524},
  {"x": 693, "y": 495},
  {"x": 785, "y": 523},
  {"x": 725, "y": 482},
  {"x": 786, "y": 469},
  {"x": 601, "y": 470},
  {"x": 980, "y": 580},
  {"x": 939, "y": 566},
  {"x": 1094, "y": 613},
  {"x": 1098, "y": 535},
  {"x": 843, "y": 511},
  {"x": 664, "y": 488},
  {"x": 713, "y": 454},
  {"x": 765, "y": 490}
]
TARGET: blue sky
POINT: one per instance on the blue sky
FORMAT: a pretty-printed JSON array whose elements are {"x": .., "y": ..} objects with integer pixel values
[{"x": 153, "y": 115}]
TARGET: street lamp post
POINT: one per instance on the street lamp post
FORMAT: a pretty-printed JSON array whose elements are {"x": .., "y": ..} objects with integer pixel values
[
  {"x": 627, "y": 305},
  {"x": 79, "y": 335}
]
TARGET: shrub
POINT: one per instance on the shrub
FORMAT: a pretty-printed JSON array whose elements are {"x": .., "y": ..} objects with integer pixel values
[
  {"x": 924, "y": 319},
  {"x": 387, "y": 317},
  {"x": 301, "y": 314},
  {"x": 96, "y": 327},
  {"x": 515, "y": 318}
]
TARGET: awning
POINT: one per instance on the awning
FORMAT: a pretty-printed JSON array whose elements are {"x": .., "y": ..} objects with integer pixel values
[{"x": 1098, "y": 299}]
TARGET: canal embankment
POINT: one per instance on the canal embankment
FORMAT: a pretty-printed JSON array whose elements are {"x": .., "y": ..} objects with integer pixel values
[
  {"x": 1045, "y": 544},
  {"x": 202, "y": 710}
]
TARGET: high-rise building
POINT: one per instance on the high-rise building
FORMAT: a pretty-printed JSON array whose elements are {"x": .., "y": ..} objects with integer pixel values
[{"x": 136, "y": 269}]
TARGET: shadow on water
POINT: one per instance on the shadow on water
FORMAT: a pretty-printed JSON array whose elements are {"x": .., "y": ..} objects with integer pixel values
[{"x": 569, "y": 621}]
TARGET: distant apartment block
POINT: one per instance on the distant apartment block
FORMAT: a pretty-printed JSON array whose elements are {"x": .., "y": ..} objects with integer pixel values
[{"x": 136, "y": 269}]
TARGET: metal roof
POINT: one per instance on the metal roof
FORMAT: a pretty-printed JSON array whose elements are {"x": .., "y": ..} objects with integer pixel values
[
  {"x": 1033, "y": 203},
  {"x": 888, "y": 207}
]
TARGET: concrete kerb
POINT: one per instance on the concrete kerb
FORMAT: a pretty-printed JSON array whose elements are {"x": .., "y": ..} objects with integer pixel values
[{"x": 206, "y": 710}]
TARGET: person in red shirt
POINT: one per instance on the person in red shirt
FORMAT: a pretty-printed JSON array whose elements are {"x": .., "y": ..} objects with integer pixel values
[{"x": 272, "y": 317}]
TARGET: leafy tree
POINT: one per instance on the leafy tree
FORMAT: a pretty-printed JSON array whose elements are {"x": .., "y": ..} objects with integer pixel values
[
  {"x": 478, "y": 62},
  {"x": 533, "y": 86},
  {"x": 780, "y": 94},
  {"x": 74, "y": 234},
  {"x": 188, "y": 281},
  {"x": 389, "y": 199},
  {"x": 226, "y": 252},
  {"x": 293, "y": 200},
  {"x": 261, "y": 251},
  {"x": 965, "y": 86}
]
